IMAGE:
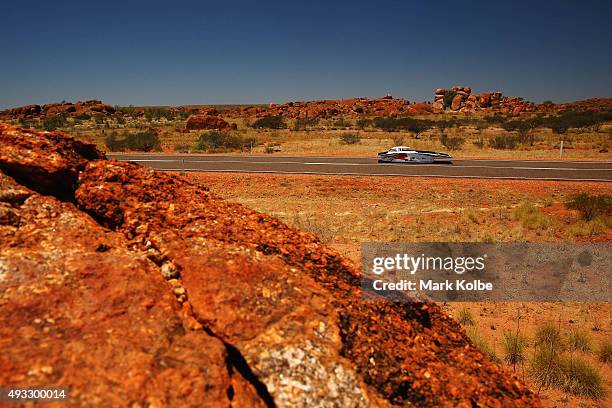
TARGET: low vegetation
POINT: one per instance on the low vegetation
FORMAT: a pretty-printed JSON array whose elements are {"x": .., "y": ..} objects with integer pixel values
[
  {"x": 269, "y": 122},
  {"x": 581, "y": 378},
  {"x": 545, "y": 367},
  {"x": 514, "y": 345},
  {"x": 604, "y": 353},
  {"x": 218, "y": 141},
  {"x": 465, "y": 317},
  {"x": 451, "y": 143},
  {"x": 305, "y": 123},
  {"x": 146, "y": 141},
  {"x": 591, "y": 206},
  {"x": 531, "y": 217},
  {"x": 505, "y": 142},
  {"x": 579, "y": 340},
  {"x": 548, "y": 335},
  {"x": 551, "y": 366},
  {"x": 350, "y": 138}
]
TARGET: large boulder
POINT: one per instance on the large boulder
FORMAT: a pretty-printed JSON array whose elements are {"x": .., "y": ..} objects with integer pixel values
[
  {"x": 457, "y": 101},
  {"x": 208, "y": 122},
  {"x": 144, "y": 289}
]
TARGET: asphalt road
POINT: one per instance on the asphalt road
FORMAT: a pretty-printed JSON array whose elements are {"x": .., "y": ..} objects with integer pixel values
[{"x": 361, "y": 166}]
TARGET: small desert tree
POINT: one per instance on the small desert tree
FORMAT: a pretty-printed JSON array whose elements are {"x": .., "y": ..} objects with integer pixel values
[{"x": 417, "y": 127}]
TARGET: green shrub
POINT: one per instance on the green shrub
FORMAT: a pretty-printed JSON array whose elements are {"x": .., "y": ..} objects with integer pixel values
[
  {"x": 364, "y": 123},
  {"x": 442, "y": 125},
  {"x": 416, "y": 126},
  {"x": 530, "y": 217},
  {"x": 570, "y": 118},
  {"x": 54, "y": 122},
  {"x": 548, "y": 335},
  {"x": 142, "y": 141},
  {"x": 582, "y": 378},
  {"x": 495, "y": 119},
  {"x": 465, "y": 317},
  {"x": 112, "y": 143},
  {"x": 504, "y": 142},
  {"x": 183, "y": 148},
  {"x": 591, "y": 206},
  {"x": 305, "y": 123},
  {"x": 604, "y": 353},
  {"x": 482, "y": 344},
  {"x": 451, "y": 143},
  {"x": 350, "y": 138},
  {"x": 579, "y": 340},
  {"x": 342, "y": 123},
  {"x": 269, "y": 122},
  {"x": 514, "y": 348},
  {"x": 216, "y": 140},
  {"x": 524, "y": 129}
]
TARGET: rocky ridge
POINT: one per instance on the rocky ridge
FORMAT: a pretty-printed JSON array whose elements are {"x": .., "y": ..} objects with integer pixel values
[
  {"x": 137, "y": 288},
  {"x": 386, "y": 106},
  {"x": 91, "y": 108},
  {"x": 457, "y": 100}
]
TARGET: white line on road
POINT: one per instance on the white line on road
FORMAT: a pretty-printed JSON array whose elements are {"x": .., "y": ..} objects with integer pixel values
[
  {"x": 454, "y": 166},
  {"x": 359, "y": 158}
]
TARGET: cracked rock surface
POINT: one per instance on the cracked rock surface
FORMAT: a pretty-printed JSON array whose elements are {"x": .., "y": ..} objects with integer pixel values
[{"x": 137, "y": 288}]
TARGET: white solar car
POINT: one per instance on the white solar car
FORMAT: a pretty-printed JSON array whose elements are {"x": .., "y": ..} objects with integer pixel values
[{"x": 403, "y": 154}]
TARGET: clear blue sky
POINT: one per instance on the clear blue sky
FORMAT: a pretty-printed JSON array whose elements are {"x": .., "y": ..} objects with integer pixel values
[{"x": 170, "y": 53}]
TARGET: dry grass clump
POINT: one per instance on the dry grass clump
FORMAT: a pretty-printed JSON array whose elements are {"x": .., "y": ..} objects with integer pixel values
[
  {"x": 548, "y": 335},
  {"x": 552, "y": 367},
  {"x": 545, "y": 367},
  {"x": 596, "y": 226},
  {"x": 514, "y": 345},
  {"x": 582, "y": 378},
  {"x": 530, "y": 217},
  {"x": 465, "y": 317},
  {"x": 579, "y": 340},
  {"x": 604, "y": 353}
]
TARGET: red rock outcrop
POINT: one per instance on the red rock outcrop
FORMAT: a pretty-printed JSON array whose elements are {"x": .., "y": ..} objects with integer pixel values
[
  {"x": 461, "y": 99},
  {"x": 386, "y": 106},
  {"x": 91, "y": 108},
  {"x": 139, "y": 288},
  {"x": 208, "y": 122}
]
